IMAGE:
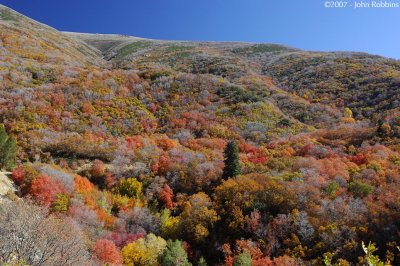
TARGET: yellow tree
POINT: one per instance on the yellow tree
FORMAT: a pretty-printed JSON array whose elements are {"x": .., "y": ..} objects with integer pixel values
[{"x": 145, "y": 251}]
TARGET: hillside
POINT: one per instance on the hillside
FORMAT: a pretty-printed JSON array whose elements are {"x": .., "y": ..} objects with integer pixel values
[
  {"x": 31, "y": 48},
  {"x": 122, "y": 145},
  {"x": 367, "y": 84}
]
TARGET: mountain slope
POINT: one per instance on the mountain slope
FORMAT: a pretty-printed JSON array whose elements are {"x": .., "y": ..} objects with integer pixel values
[
  {"x": 368, "y": 84},
  {"x": 125, "y": 139},
  {"x": 27, "y": 46},
  {"x": 31, "y": 40}
]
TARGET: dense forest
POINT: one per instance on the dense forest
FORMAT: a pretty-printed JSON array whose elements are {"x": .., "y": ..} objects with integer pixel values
[{"x": 130, "y": 151}]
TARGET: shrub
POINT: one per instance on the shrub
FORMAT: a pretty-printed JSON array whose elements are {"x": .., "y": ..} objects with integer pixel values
[
  {"x": 98, "y": 169},
  {"x": 332, "y": 188},
  {"x": 61, "y": 203},
  {"x": 360, "y": 189},
  {"x": 44, "y": 189},
  {"x": 129, "y": 187},
  {"x": 8, "y": 149},
  {"x": 106, "y": 251},
  {"x": 236, "y": 94}
]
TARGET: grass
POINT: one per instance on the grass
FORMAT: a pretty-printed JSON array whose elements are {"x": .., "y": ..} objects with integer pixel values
[
  {"x": 132, "y": 48},
  {"x": 262, "y": 48},
  {"x": 177, "y": 48},
  {"x": 8, "y": 15},
  {"x": 178, "y": 51}
]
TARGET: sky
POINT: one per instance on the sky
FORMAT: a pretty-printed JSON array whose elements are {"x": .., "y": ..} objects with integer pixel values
[{"x": 304, "y": 24}]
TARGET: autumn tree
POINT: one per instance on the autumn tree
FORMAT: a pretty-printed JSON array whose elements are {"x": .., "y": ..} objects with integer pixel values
[
  {"x": 18, "y": 175},
  {"x": 198, "y": 217},
  {"x": 166, "y": 196},
  {"x": 45, "y": 189},
  {"x": 106, "y": 252},
  {"x": 144, "y": 251},
  {"x": 348, "y": 113},
  {"x": 23, "y": 176},
  {"x": 231, "y": 160},
  {"x": 130, "y": 187},
  {"x": 8, "y": 149},
  {"x": 139, "y": 220},
  {"x": 169, "y": 225},
  {"x": 384, "y": 129}
]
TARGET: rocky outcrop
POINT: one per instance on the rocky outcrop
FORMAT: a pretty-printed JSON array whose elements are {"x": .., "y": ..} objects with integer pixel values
[{"x": 6, "y": 186}]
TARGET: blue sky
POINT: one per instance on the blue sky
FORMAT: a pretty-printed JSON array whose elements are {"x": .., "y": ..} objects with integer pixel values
[{"x": 304, "y": 24}]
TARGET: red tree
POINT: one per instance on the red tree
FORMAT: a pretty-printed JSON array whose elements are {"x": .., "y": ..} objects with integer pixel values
[
  {"x": 166, "y": 195},
  {"x": 106, "y": 251},
  {"x": 44, "y": 189},
  {"x": 18, "y": 175}
]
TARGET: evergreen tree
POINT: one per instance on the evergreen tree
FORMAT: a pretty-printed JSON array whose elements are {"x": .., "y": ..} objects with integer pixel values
[
  {"x": 8, "y": 149},
  {"x": 175, "y": 254},
  {"x": 231, "y": 161}
]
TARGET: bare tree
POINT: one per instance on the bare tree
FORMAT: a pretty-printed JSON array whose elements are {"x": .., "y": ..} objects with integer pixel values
[{"x": 28, "y": 233}]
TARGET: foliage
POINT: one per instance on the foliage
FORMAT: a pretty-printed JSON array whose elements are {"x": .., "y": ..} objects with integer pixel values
[
  {"x": 106, "y": 252},
  {"x": 44, "y": 189},
  {"x": 360, "y": 189},
  {"x": 202, "y": 262},
  {"x": 129, "y": 187},
  {"x": 144, "y": 251},
  {"x": 8, "y": 149},
  {"x": 369, "y": 258},
  {"x": 231, "y": 161},
  {"x": 166, "y": 195},
  {"x": 236, "y": 94},
  {"x": 169, "y": 224},
  {"x": 132, "y": 48},
  {"x": 198, "y": 217},
  {"x": 61, "y": 203},
  {"x": 175, "y": 254},
  {"x": 243, "y": 259},
  {"x": 132, "y": 147}
]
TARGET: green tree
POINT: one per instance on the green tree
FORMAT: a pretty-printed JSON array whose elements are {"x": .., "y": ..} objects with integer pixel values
[
  {"x": 231, "y": 161},
  {"x": 360, "y": 189},
  {"x": 8, "y": 149},
  {"x": 244, "y": 259},
  {"x": 175, "y": 254}
]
